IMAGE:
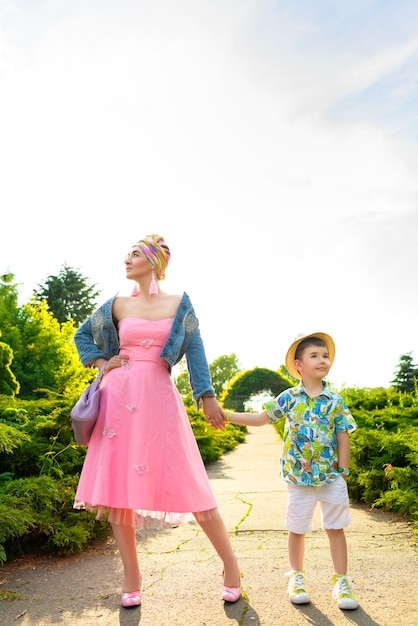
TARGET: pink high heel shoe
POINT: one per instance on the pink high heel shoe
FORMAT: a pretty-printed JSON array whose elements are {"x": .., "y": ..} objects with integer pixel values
[
  {"x": 131, "y": 598},
  {"x": 231, "y": 594}
]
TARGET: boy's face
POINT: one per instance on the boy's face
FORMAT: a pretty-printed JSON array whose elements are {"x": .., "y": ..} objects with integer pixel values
[{"x": 314, "y": 362}]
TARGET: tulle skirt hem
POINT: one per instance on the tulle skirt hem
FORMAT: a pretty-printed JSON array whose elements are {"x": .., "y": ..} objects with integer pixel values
[{"x": 141, "y": 518}]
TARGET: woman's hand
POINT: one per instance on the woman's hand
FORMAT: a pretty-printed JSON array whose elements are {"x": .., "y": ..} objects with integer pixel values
[
  {"x": 118, "y": 360},
  {"x": 213, "y": 412}
]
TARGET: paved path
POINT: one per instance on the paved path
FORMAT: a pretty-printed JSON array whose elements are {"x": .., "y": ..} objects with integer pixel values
[{"x": 182, "y": 575}]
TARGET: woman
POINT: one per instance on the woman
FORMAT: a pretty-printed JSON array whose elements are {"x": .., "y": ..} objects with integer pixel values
[{"x": 143, "y": 464}]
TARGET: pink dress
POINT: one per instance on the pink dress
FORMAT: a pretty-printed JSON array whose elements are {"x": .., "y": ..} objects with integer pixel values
[{"x": 143, "y": 465}]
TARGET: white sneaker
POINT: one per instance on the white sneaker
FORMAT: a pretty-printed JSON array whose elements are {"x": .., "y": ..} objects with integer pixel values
[
  {"x": 343, "y": 592},
  {"x": 296, "y": 587}
]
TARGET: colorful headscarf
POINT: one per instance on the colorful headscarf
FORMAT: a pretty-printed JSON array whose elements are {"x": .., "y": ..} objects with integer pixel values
[{"x": 157, "y": 252}]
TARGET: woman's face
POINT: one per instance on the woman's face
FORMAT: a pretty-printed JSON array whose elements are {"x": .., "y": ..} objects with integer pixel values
[{"x": 137, "y": 263}]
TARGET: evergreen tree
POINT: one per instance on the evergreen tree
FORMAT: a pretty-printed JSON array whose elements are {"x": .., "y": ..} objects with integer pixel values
[
  {"x": 9, "y": 312},
  {"x": 9, "y": 385},
  {"x": 250, "y": 383},
  {"x": 68, "y": 296},
  {"x": 8, "y": 295},
  {"x": 406, "y": 374},
  {"x": 222, "y": 370},
  {"x": 45, "y": 356}
]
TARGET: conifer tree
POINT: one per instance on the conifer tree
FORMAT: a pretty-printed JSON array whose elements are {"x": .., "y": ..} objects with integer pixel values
[
  {"x": 406, "y": 374},
  {"x": 68, "y": 295}
]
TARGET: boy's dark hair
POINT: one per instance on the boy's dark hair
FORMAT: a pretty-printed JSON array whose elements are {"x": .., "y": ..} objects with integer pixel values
[{"x": 309, "y": 341}]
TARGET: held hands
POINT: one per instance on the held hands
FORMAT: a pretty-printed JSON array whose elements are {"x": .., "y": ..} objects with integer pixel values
[{"x": 213, "y": 412}]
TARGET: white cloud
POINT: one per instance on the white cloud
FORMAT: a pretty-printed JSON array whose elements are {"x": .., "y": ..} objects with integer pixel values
[
  {"x": 368, "y": 71},
  {"x": 219, "y": 125}
]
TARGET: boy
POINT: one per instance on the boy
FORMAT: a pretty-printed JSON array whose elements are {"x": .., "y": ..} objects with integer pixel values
[{"x": 315, "y": 460}]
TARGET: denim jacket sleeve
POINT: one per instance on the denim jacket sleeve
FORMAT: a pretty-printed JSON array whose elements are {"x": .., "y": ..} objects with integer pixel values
[
  {"x": 185, "y": 339},
  {"x": 197, "y": 365},
  {"x": 97, "y": 337}
]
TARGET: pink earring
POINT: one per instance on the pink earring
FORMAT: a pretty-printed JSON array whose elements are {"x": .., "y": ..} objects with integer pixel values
[{"x": 153, "y": 287}]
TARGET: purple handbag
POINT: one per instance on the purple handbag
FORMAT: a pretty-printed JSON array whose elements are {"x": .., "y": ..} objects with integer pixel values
[{"x": 86, "y": 410}]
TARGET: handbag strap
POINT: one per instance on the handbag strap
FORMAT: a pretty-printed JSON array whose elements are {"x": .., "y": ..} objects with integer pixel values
[{"x": 101, "y": 372}]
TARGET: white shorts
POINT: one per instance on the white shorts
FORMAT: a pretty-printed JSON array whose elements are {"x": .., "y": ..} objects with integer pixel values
[{"x": 302, "y": 501}]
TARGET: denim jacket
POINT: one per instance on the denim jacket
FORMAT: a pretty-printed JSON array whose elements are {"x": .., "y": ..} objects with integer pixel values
[{"x": 98, "y": 338}]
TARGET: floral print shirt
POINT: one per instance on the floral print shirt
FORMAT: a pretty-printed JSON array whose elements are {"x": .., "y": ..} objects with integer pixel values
[{"x": 309, "y": 456}]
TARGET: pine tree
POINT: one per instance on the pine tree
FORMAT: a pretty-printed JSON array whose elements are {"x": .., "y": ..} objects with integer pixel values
[
  {"x": 406, "y": 374},
  {"x": 68, "y": 296}
]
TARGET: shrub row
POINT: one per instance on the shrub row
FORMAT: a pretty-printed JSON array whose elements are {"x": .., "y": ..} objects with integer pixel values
[{"x": 40, "y": 464}]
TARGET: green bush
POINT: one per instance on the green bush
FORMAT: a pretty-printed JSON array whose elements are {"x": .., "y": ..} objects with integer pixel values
[
  {"x": 37, "y": 514},
  {"x": 39, "y": 469},
  {"x": 213, "y": 443},
  {"x": 16, "y": 521},
  {"x": 384, "y": 450},
  {"x": 40, "y": 464}
]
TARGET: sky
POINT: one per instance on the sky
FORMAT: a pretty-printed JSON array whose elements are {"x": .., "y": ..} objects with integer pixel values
[{"x": 274, "y": 145}]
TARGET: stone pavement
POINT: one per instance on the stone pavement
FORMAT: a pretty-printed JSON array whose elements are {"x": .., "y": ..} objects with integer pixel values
[{"x": 182, "y": 574}]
